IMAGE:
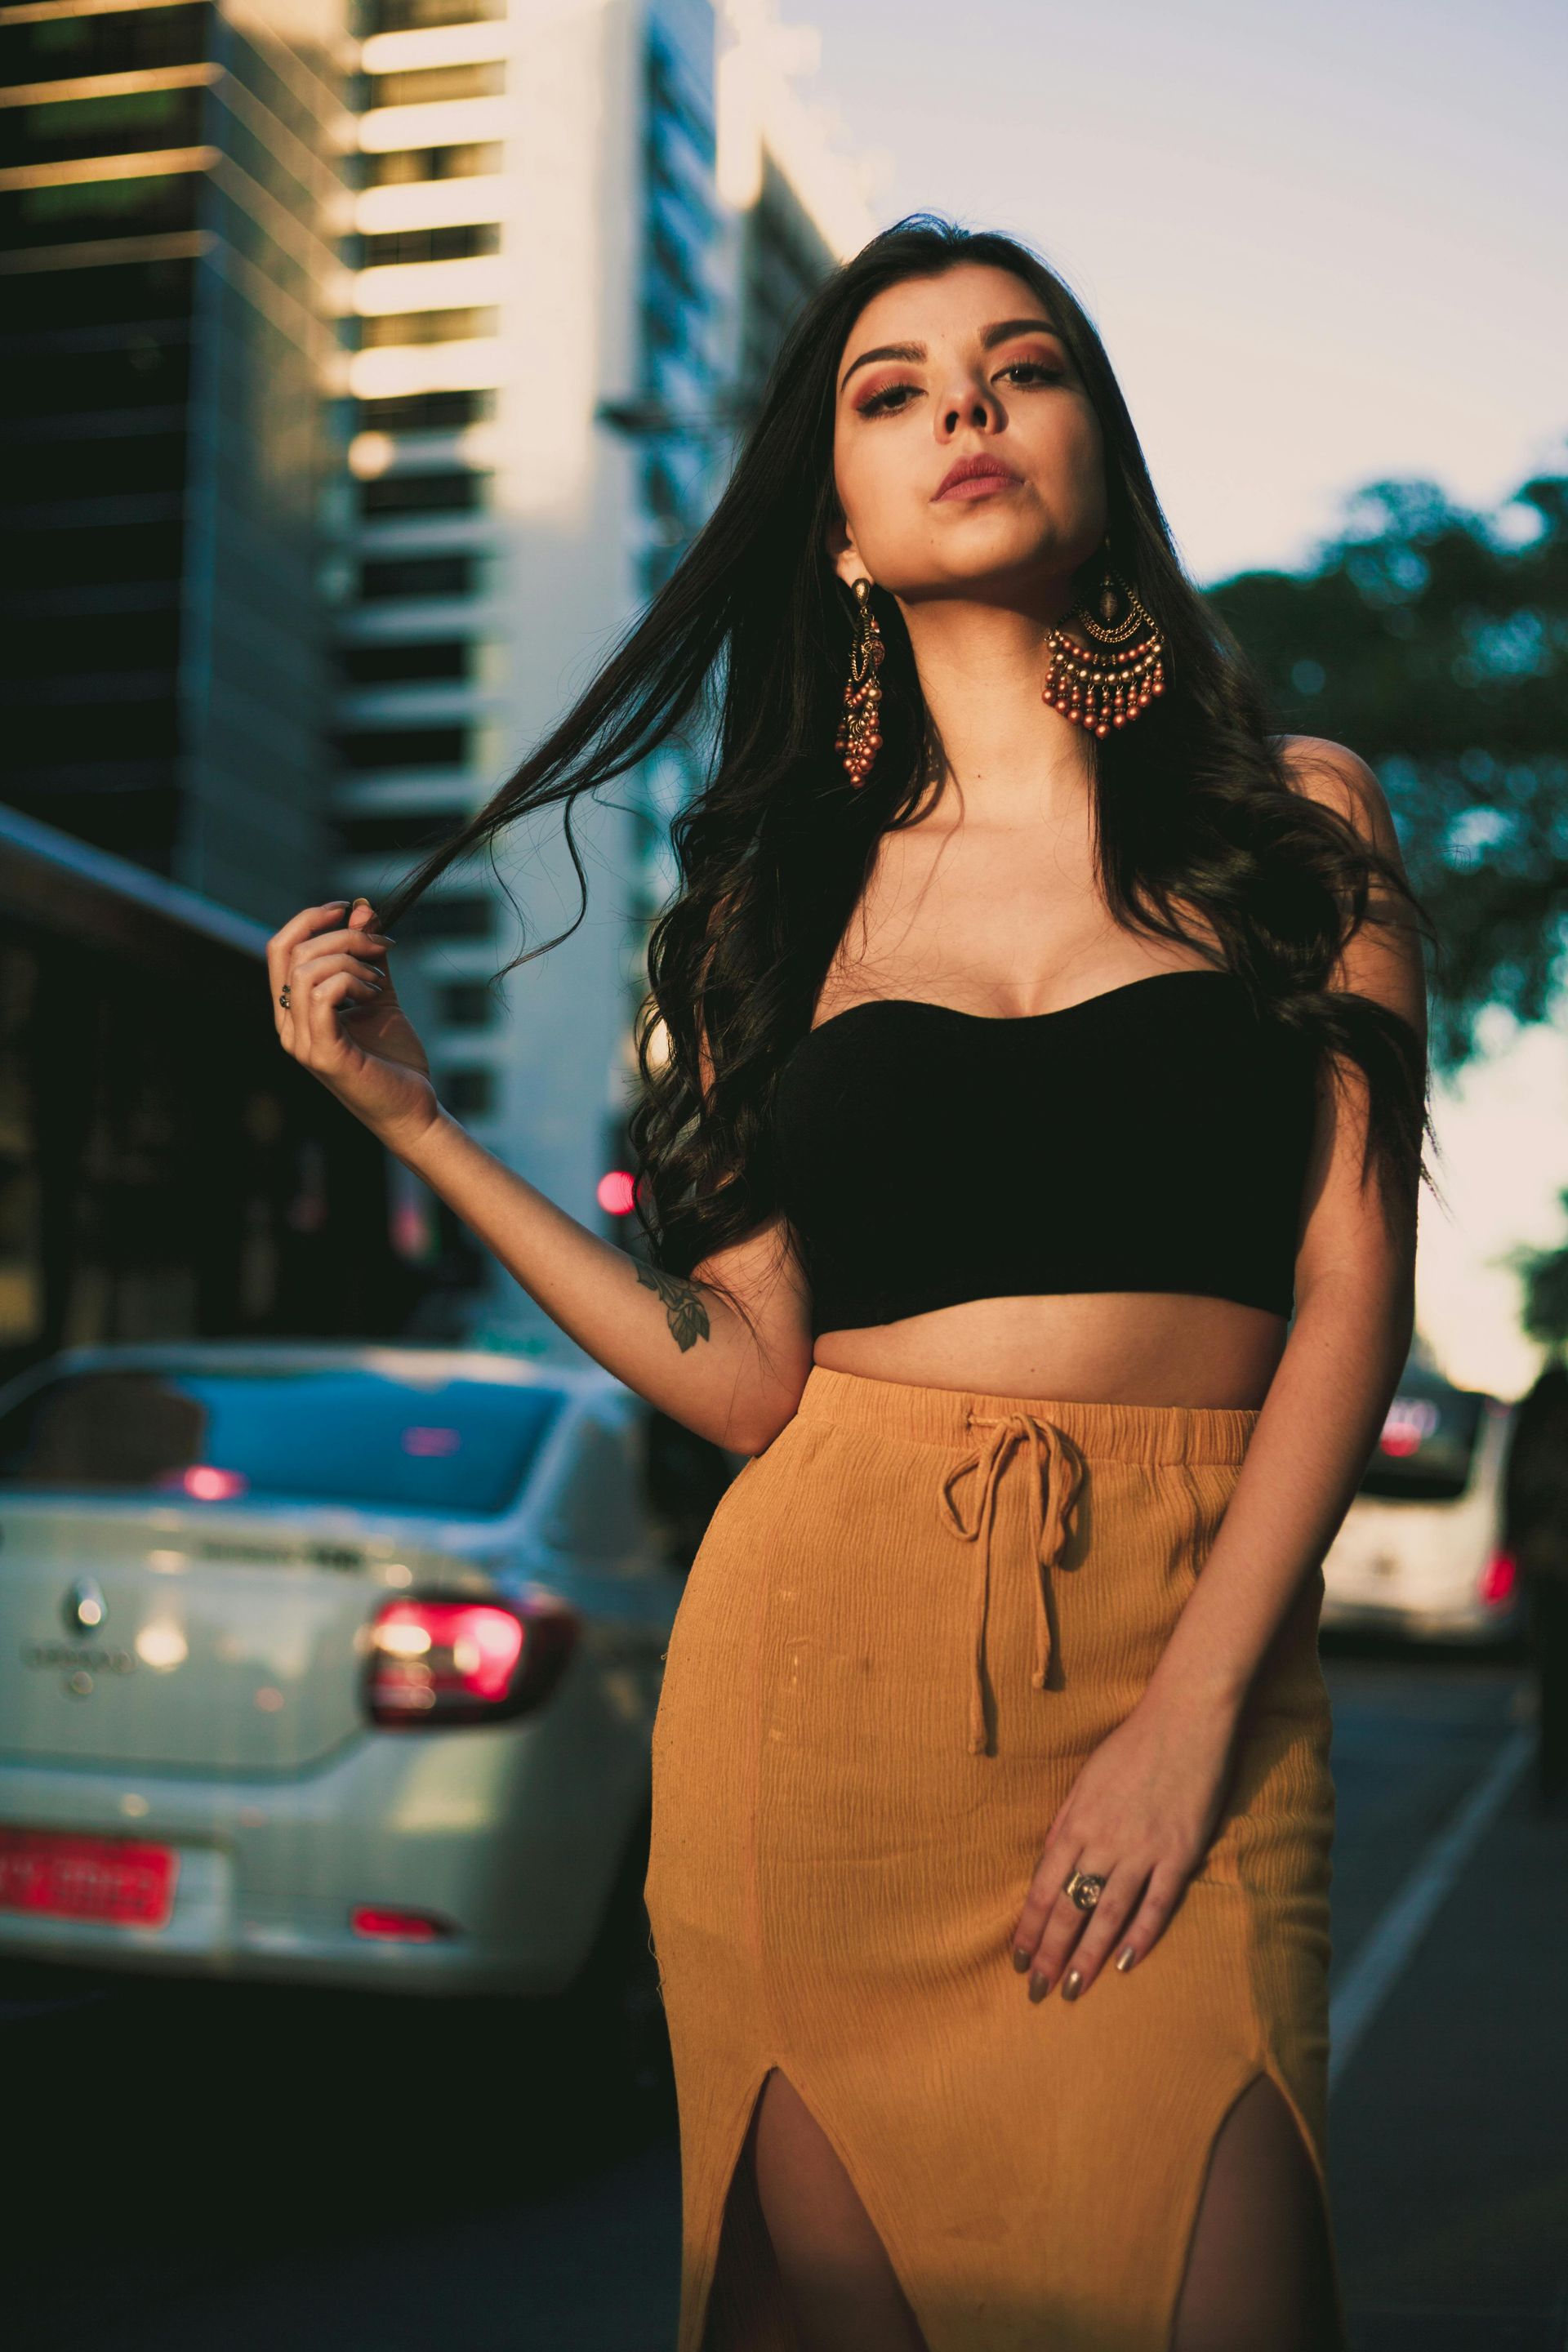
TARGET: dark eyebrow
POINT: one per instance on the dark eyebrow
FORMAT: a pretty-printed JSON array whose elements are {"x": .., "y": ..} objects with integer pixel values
[{"x": 990, "y": 337}]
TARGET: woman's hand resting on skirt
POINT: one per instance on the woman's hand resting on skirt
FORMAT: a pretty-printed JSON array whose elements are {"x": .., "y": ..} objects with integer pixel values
[{"x": 1141, "y": 1815}]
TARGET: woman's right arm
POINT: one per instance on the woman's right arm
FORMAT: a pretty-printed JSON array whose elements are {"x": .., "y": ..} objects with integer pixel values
[{"x": 677, "y": 1342}]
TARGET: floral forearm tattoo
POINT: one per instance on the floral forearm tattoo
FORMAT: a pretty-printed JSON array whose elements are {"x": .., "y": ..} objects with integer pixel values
[{"x": 686, "y": 1316}]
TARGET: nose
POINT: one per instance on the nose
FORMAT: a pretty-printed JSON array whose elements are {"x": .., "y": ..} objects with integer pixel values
[{"x": 968, "y": 400}]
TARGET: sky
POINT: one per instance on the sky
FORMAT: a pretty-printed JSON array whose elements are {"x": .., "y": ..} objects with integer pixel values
[{"x": 1323, "y": 246}]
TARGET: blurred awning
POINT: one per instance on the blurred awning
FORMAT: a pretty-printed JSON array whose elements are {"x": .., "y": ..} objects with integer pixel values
[{"x": 52, "y": 880}]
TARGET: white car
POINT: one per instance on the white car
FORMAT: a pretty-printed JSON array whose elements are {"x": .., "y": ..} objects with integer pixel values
[
  {"x": 1421, "y": 1550},
  {"x": 336, "y": 1663}
]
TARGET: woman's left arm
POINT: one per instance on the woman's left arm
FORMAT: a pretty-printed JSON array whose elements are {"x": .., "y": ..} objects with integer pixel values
[{"x": 1144, "y": 1809}]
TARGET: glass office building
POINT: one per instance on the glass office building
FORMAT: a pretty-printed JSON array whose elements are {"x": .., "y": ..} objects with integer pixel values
[{"x": 169, "y": 193}]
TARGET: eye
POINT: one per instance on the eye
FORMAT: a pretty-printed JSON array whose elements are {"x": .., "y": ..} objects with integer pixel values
[
  {"x": 881, "y": 404},
  {"x": 1035, "y": 371}
]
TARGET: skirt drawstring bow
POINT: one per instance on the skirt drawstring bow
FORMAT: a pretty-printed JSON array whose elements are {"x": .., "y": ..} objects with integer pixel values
[{"x": 1053, "y": 1490}]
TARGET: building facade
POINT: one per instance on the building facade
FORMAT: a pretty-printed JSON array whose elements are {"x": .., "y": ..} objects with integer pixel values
[
  {"x": 366, "y": 365},
  {"x": 575, "y": 249},
  {"x": 170, "y": 192}
]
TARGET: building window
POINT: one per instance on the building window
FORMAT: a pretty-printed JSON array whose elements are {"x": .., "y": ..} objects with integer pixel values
[
  {"x": 420, "y": 575},
  {"x": 425, "y": 412},
  {"x": 102, "y": 465},
  {"x": 150, "y": 369},
  {"x": 397, "y": 833},
  {"x": 72, "y": 210},
  {"x": 125, "y": 123},
  {"x": 458, "y": 242},
  {"x": 465, "y": 1005},
  {"x": 427, "y": 326},
  {"x": 461, "y": 915},
  {"x": 470, "y": 1092},
  {"x": 405, "y": 747},
  {"x": 474, "y": 159},
  {"x": 404, "y": 662},
  {"x": 415, "y": 16},
  {"x": 438, "y": 85},
  {"x": 58, "y": 48},
  {"x": 453, "y": 492}
]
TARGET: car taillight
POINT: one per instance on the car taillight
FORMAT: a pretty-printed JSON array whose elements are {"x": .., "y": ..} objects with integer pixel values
[
  {"x": 1497, "y": 1580},
  {"x": 450, "y": 1662},
  {"x": 397, "y": 1927}
]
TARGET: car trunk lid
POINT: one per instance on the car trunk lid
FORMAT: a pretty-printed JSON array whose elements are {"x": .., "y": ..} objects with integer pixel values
[{"x": 160, "y": 1637}]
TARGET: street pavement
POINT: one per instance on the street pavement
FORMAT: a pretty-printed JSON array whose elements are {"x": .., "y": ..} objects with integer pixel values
[{"x": 208, "y": 2168}]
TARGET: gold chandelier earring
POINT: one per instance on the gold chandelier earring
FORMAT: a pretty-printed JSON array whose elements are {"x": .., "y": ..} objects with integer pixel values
[
  {"x": 860, "y": 736},
  {"x": 1118, "y": 675}
]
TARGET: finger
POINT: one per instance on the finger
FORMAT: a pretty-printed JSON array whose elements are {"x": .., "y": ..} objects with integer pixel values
[
  {"x": 1064, "y": 1932},
  {"x": 1154, "y": 1914},
  {"x": 283, "y": 942},
  {"x": 311, "y": 964},
  {"x": 1061, "y": 1857},
  {"x": 363, "y": 921},
  {"x": 324, "y": 1047},
  {"x": 1117, "y": 1901},
  {"x": 358, "y": 941}
]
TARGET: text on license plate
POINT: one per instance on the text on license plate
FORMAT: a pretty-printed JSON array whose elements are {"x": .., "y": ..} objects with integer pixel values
[{"x": 60, "y": 1876}]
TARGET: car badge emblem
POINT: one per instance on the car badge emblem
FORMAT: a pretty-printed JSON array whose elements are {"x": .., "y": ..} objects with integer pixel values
[{"x": 85, "y": 1607}]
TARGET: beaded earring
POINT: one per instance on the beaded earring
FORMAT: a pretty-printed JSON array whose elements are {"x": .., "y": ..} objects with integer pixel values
[
  {"x": 1102, "y": 690},
  {"x": 860, "y": 736}
]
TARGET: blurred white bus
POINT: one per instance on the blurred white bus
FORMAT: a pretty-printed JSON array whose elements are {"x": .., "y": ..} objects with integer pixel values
[{"x": 1421, "y": 1550}]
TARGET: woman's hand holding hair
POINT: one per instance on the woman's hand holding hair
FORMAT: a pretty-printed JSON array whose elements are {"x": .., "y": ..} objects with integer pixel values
[
  {"x": 1141, "y": 1814},
  {"x": 725, "y": 1351},
  {"x": 342, "y": 1021}
]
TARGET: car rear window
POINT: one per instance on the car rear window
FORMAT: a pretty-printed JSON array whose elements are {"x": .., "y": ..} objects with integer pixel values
[
  {"x": 328, "y": 1436},
  {"x": 1427, "y": 1449}
]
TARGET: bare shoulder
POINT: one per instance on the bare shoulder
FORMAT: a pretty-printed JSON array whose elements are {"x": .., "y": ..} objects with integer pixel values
[
  {"x": 1332, "y": 772},
  {"x": 1383, "y": 959}
]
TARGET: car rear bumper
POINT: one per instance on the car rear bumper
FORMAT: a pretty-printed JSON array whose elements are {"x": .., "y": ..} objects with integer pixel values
[
  {"x": 475, "y": 1833},
  {"x": 1470, "y": 1621}
]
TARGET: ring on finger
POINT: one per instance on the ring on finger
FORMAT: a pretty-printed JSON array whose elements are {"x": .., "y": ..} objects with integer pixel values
[
  {"x": 283, "y": 996},
  {"x": 1084, "y": 1888}
]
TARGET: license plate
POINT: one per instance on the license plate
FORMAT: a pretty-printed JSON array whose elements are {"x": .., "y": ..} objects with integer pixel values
[{"x": 55, "y": 1876}]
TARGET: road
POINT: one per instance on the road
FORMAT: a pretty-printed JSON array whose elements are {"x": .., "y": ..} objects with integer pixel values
[{"x": 214, "y": 2170}]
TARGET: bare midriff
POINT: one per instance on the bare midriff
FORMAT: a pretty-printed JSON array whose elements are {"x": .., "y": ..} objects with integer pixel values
[{"x": 1119, "y": 1347}]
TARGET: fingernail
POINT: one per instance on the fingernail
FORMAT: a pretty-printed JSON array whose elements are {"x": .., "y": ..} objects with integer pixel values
[
  {"x": 1125, "y": 1957},
  {"x": 1038, "y": 1987},
  {"x": 1072, "y": 1985},
  {"x": 1020, "y": 1961}
]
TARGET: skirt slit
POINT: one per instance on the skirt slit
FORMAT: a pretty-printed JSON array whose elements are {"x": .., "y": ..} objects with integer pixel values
[{"x": 910, "y": 1622}]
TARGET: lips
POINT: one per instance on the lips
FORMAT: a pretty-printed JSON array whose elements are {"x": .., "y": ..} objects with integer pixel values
[{"x": 985, "y": 473}]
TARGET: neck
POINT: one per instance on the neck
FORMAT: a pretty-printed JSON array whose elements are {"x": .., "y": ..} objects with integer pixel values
[{"x": 981, "y": 668}]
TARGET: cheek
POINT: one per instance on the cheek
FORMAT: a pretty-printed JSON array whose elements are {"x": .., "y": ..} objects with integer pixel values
[{"x": 877, "y": 490}]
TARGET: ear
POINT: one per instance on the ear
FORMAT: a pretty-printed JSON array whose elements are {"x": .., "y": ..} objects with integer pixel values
[{"x": 838, "y": 543}]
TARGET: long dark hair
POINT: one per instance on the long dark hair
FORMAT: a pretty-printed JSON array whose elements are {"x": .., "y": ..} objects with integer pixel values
[{"x": 743, "y": 652}]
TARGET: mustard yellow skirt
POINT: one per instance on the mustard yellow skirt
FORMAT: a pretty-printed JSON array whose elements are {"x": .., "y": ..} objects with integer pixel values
[{"x": 910, "y": 1620}]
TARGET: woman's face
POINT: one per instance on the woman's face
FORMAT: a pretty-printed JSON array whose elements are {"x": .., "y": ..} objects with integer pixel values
[{"x": 963, "y": 365}]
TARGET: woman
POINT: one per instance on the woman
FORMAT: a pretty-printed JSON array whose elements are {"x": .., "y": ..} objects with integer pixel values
[{"x": 1033, "y": 1032}]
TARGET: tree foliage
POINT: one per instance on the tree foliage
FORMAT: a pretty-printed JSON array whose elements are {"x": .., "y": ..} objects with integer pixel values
[
  {"x": 1434, "y": 641},
  {"x": 1543, "y": 1275}
]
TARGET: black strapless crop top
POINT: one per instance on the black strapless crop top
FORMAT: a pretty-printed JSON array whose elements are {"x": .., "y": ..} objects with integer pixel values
[{"x": 1153, "y": 1137}]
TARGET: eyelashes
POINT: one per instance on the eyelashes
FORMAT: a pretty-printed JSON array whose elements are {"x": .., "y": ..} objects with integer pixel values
[{"x": 880, "y": 403}]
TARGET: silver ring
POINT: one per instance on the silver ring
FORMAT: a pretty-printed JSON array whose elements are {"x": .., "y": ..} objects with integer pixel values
[
  {"x": 1084, "y": 1888},
  {"x": 283, "y": 995}
]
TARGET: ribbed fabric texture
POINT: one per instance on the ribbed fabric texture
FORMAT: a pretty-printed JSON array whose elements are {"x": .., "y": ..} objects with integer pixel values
[
  {"x": 1155, "y": 1137},
  {"x": 910, "y": 1620}
]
